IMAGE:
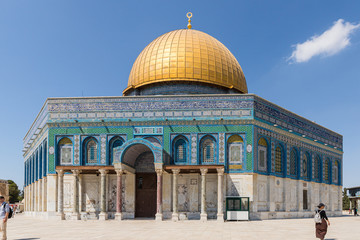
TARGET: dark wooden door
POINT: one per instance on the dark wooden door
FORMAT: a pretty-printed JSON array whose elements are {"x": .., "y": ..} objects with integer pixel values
[
  {"x": 145, "y": 195},
  {"x": 305, "y": 200}
]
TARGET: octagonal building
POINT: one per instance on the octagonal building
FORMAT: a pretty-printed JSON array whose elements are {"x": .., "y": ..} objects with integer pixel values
[{"x": 183, "y": 138}]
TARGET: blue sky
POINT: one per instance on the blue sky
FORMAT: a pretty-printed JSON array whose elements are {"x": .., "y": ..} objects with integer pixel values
[{"x": 86, "y": 48}]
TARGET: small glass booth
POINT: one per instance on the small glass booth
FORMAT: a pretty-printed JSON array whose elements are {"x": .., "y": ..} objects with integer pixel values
[{"x": 237, "y": 208}]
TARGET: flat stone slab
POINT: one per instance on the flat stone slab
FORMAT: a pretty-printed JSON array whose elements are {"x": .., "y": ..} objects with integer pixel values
[{"x": 23, "y": 227}]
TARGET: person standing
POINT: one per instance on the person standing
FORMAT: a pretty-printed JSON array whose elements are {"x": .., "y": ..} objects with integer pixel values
[
  {"x": 321, "y": 228},
  {"x": 4, "y": 214},
  {"x": 355, "y": 211}
]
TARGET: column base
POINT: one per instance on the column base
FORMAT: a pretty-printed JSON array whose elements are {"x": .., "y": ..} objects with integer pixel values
[
  {"x": 175, "y": 217},
  {"x": 203, "y": 217},
  {"x": 75, "y": 216},
  {"x": 220, "y": 218},
  {"x": 158, "y": 217},
  {"x": 103, "y": 216},
  {"x": 61, "y": 216},
  {"x": 118, "y": 216}
]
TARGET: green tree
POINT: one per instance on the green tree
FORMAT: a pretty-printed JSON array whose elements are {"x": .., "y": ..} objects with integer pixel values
[
  {"x": 345, "y": 201},
  {"x": 14, "y": 192}
]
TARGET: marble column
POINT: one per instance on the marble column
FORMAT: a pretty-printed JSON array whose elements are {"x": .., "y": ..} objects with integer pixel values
[
  {"x": 43, "y": 193},
  {"x": 80, "y": 193},
  {"x": 61, "y": 194},
  {"x": 220, "y": 197},
  {"x": 203, "y": 214},
  {"x": 118, "y": 215},
  {"x": 175, "y": 214},
  {"x": 158, "y": 215},
  {"x": 75, "y": 205},
  {"x": 39, "y": 195},
  {"x": 103, "y": 214}
]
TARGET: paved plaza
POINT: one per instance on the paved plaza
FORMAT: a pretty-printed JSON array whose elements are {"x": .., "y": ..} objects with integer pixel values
[{"x": 22, "y": 227}]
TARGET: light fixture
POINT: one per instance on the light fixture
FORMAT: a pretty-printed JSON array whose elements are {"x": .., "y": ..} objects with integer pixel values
[
  {"x": 326, "y": 144},
  {"x": 303, "y": 135},
  {"x": 290, "y": 130},
  {"x": 275, "y": 125}
]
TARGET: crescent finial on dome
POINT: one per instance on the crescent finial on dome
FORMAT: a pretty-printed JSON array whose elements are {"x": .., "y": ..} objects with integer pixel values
[{"x": 189, "y": 15}]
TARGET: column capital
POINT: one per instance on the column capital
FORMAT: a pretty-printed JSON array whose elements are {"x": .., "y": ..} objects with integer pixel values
[
  {"x": 220, "y": 171},
  {"x": 203, "y": 171},
  {"x": 60, "y": 171},
  {"x": 76, "y": 171},
  {"x": 103, "y": 171},
  {"x": 119, "y": 172},
  {"x": 159, "y": 171},
  {"x": 175, "y": 171}
]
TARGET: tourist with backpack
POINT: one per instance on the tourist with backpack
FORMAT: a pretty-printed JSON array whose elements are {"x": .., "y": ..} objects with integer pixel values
[
  {"x": 321, "y": 221},
  {"x": 5, "y": 213}
]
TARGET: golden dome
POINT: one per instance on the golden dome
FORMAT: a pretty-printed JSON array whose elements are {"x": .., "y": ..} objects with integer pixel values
[{"x": 187, "y": 55}]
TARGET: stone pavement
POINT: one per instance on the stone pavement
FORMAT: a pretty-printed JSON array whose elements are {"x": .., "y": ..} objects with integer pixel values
[{"x": 22, "y": 227}]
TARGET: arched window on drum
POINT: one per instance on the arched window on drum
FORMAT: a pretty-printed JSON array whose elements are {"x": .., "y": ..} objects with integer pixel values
[
  {"x": 180, "y": 152},
  {"x": 207, "y": 150},
  {"x": 65, "y": 151},
  {"x": 114, "y": 143},
  {"x": 91, "y": 151},
  {"x": 262, "y": 154}
]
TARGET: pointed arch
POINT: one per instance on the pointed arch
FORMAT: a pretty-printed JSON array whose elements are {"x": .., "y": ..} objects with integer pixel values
[
  {"x": 91, "y": 150},
  {"x": 208, "y": 149},
  {"x": 262, "y": 154},
  {"x": 65, "y": 151},
  {"x": 235, "y": 148},
  {"x": 317, "y": 168},
  {"x": 279, "y": 158},
  {"x": 180, "y": 149},
  {"x": 115, "y": 141},
  {"x": 294, "y": 162}
]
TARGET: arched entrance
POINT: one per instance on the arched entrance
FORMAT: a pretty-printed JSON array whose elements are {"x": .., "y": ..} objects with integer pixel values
[{"x": 141, "y": 158}]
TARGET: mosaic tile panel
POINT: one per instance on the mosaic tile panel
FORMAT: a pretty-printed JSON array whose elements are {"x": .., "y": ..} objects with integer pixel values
[
  {"x": 193, "y": 148},
  {"x": 221, "y": 147},
  {"x": 288, "y": 160},
  {"x": 102, "y": 148},
  {"x": 77, "y": 149}
]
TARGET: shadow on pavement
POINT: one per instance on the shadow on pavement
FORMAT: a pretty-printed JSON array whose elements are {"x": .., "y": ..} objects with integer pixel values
[{"x": 26, "y": 238}]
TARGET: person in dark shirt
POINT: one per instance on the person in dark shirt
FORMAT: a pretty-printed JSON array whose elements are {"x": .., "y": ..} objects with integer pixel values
[{"x": 321, "y": 228}]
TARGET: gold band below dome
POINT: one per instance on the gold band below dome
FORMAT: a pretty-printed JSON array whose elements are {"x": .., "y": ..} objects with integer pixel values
[{"x": 187, "y": 55}]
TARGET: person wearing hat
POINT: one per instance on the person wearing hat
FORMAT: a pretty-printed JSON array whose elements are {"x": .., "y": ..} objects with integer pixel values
[
  {"x": 4, "y": 213},
  {"x": 321, "y": 228}
]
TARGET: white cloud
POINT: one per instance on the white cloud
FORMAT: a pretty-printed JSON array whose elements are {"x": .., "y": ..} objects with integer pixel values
[{"x": 328, "y": 43}]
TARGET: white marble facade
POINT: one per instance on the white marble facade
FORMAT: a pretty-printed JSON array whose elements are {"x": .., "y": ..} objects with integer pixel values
[{"x": 270, "y": 197}]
